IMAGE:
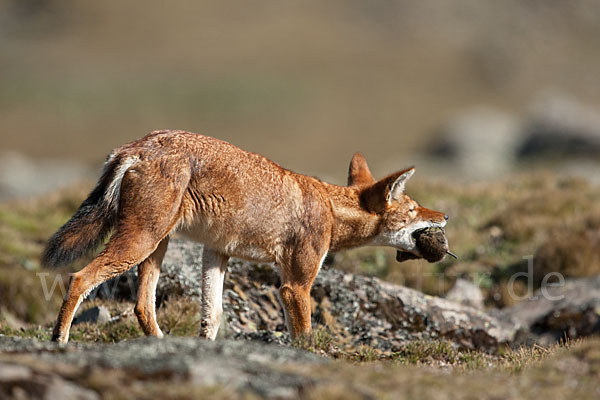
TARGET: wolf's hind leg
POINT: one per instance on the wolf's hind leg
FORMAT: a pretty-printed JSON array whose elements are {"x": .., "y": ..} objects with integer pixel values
[
  {"x": 149, "y": 207},
  {"x": 121, "y": 253},
  {"x": 148, "y": 272}
]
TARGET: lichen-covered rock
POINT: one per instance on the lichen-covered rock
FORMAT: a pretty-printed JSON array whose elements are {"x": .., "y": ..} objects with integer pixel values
[
  {"x": 180, "y": 276},
  {"x": 466, "y": 293},
  {"x": 558, "y": 312},
  {"x": 248, "y": 366},
  {"x": 94, "y": 315},
  {"x": 385, "y": 315},
  {"x": 363, "y": 310},
  {"x": 359, "y": 309},
  {"x": 560, "y": 127},
  {"x": 24, "y": 382}
]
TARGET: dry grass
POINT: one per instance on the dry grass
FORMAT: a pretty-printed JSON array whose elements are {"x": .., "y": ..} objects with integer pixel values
[
  {"x": 24, "y": 228},
  {"x": 571, "y": 251},
  {"x": 483, "y": 230},
  {"x": 22, "y": 295},
  {"x": 436, "y": 354},
  {"x": 570, "y": 371},
  {"x": 181, "y": 318},
  {"x": 492, "y": 227},
  {"x": 175, "y": 317},
  {"x": 26, "y": 225}
]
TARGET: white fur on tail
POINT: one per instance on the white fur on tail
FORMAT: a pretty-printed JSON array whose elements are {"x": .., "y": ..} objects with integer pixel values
[{"x": 113, "y": 192}]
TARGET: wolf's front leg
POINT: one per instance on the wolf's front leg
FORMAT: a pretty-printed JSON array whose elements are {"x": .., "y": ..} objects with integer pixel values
[
  {"x": 297, "y": 276},
  {"x": 214, "y": 266},
  {"x": 296, "y": 306}
]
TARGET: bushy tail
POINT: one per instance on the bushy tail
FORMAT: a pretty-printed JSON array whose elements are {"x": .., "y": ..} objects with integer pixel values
[{"x": 91, "y": 223}]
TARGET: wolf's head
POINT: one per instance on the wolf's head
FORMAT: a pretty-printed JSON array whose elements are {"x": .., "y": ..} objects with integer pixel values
[{"x": 400, "y": 216}]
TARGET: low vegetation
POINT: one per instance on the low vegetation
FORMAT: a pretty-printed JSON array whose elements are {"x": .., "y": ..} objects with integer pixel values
[
  {"x": 570, "y": 371},
  {"x": 180, "y": 317},
  {"x": 492, "y": 227},
  {"x": 428, "y": 370},
  {"x": 438, "y": 353}
]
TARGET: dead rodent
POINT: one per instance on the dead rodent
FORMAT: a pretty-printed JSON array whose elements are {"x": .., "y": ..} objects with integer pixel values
[{"x": 431, "y": 243}]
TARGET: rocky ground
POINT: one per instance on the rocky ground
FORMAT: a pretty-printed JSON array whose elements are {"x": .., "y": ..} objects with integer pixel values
[
  {"x": 193, "y": 368},
  {"x": 223, "y": 366},
  {"x": 362, "y": 310},
  {"x": 254, "y": 355},
  {"x": 453, "y": 330}
]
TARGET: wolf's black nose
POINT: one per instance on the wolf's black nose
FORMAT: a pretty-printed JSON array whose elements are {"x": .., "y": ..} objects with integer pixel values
[{"x": 446, "y": 217}]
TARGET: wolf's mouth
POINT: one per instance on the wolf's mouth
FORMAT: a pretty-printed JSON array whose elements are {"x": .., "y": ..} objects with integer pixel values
[{"x": 415, "y": 254}]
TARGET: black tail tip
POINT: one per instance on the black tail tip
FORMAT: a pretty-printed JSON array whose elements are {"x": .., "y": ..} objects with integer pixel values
[
  {"x": 50, "y": 259},
  {"x": 55, "y": 256}
]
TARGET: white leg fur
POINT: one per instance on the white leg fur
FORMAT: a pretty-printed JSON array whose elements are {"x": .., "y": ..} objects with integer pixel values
[
  {"x": 214, "y": 266},
  {"x": 152, "y": 291}
]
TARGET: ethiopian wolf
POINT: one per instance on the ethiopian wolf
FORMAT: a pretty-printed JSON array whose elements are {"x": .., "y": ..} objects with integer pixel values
[{"x": 238, "y": 204}]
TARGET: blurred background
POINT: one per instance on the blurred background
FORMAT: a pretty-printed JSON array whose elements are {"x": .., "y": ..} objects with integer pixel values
[
  {"x": 460, "y": 88},
  {"x": 495, "y": 102}
]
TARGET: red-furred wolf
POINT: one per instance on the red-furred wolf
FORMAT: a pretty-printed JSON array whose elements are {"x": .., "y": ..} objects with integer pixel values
[{"x": 238, "y": 204}]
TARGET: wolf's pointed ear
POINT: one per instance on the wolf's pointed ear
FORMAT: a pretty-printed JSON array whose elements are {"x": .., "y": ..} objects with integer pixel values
[
  {"x": 379, "y": 195},
  {"x": 396, "y": 189},
  {"x": 359, "y": 173}
]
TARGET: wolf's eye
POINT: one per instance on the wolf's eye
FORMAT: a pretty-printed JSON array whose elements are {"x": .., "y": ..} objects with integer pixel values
[{"x": 411, "y": 209}]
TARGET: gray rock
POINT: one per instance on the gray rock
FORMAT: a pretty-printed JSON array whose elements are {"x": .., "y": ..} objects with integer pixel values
[
  {"x": 364, "y": 310},
  {"x": 560, "y": 127},
  {"x": 385, "y": 315},
  {"x": 466, "y": 293},
  {"x": 21, "y": 382},
  {"x": 10, "y": 372},
  {"x": 181, "y": 272},
  {"x": 480, "y": 142},
  {"x": 94, "y": 315},
  {"x": 559, "y": 312},
  {"x": 247, "y": 366},
  {"x": 360, "y": 309},
  {"x": 181, "y": 276}
]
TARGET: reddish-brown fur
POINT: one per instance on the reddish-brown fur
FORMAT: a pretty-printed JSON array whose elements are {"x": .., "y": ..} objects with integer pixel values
[{"x": 239, "y": 204}]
